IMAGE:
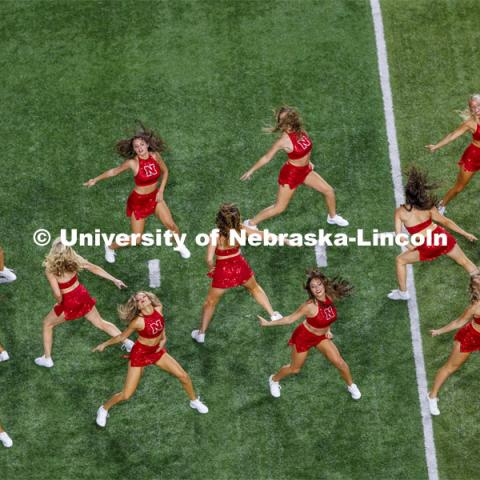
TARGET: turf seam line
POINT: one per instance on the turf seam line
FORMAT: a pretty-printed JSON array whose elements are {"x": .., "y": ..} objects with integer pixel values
[{"x": 429, "y": 442}]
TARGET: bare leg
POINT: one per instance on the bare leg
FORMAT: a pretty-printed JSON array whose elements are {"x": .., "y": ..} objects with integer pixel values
[
  {"x": 96, "y": 320},
  {"x": 138, "y": 227},
  {"x": 171, "y": 366},
  {"x": 462, "y": 181},
  {"x": 315, "y": 181},
  {"x": 454, "y": 362},
  {"x": 457, "y": 254},
  {"x": 257, "y": 292},
  {"x": 284, "y": 195},
  {"x": 213, "y": 297},
  {"x": 49, "y": 323},
  {"x": 2, "y": 259},
  {"x": 1, "y": 349},
  {"x": 294, "y": 367},
  {"x": 405, "y": 258},
  {"x": 131, "y": 383},
  {"x": 330, "y": 350},
  {"x": 162, "y": 212}
]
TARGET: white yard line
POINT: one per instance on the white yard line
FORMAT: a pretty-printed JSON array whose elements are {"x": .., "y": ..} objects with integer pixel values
[
  {"x": 321, "y": 255},
  {"x": 154, "y": 273},
  {"x": 430, "y": 454}
]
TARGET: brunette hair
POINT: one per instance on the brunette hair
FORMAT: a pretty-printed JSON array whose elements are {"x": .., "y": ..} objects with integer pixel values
[
  {"x": 474, "y": 288},
  {"x": 417, "y": 190},
  {"x": 467, "y": 113},
  {"x": 228, "y": 218},
  {"x": 62, "y": 259},
  {"x": 291, "y": 120},
  {"x": 154, "y": 142},
  {"x": 129, "y": 310},
  {"x": 335, "y": 288}
]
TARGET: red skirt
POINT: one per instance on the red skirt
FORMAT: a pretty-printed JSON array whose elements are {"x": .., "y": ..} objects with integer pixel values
[
  {"x": 304, "y": 340},
  {"x": 470, "y": 160},
  {"x": 142, "y": 206},
  {"x": 430, "y": 252},
  {"x": 293, "y": 176},
  {"x": 469, "y": 338},
  {"x": 231, "y": 272},
  {"x": 143, "y": 355},
  {"x": 75, "y": 304}
]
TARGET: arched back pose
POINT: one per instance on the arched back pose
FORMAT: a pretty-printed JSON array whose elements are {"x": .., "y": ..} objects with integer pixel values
[
  {"x": 62, "y": 266},
  {"x": 466, "y": 341},
  {"x": 297, "y": 169},
  {"x": 6, "y": 274},
  {"x": 230, "y": 269},
  {"x": 4, "y": 356},
  {"x": 143, "y": 312},
  {"x": 4, "y": 438},
  {"x": 470, "y": 161},
  {"x": 418, "y": 216},
  {"x": 314, "y": 331},
  {"x": 142, "y": 154}
]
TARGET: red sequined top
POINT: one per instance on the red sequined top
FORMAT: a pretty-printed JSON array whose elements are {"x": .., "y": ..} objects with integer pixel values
[
  {"x": 68, "y": 283},
  {"x": 301, "y": 146},
  {"x": 148, "y": 172},
  {"x": 419, "y": 227},
  {"x": 327, "y": 314},
  {"x": 154, "y": 325},
  {"x": 476, "y": 133}
]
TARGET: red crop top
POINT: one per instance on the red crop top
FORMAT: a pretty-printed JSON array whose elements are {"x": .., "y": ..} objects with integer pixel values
[
  {"x": 148, "y": 172},
  {"x": 419, "y": 227},
  {"x": 476, "y": 320},
  {"x": 227, "y": 251},
  {"x": 301, "y": 146},
  {"x": 154, "y": 325},
  {"x": 476, "y": 133},
  {"x": 327, "y": 314},
  {"x": 68, "y": 283}
]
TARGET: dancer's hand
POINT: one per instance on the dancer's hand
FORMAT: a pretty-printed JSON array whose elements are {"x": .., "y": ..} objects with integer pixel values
[
  {"x": 435, "y": 333},
  {"x": 99, "y": 348},
  {"x": 432, "y": 148},
  {"x": 471, "y": 237},
  {"x": 90, "y": 183},
  {"x": 119, "y": 284},
  {"x": 329, "y": 335},
  {"x": 246, "y": 176},
  {"x": 263, "y": 321},
  {"x": 159, "y": 197}
]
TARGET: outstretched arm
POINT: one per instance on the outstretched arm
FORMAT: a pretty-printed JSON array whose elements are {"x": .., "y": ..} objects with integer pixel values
[
  {"x": 113, "y": 172},
  {"x": 91, "y": 267},
  {"x": 437, "y": 218},
  {"x": 293, "y": 317},
  {"x": 134, "y": 325},
  {"x": 463, "y": 128},
  {"x": 457, "y": 323}
]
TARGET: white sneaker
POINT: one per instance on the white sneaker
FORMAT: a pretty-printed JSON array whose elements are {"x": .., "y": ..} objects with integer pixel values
[
  {"x": 7, "y": 275},
  {"x": 198, "y": 337},
  {"x": 274, "y": 387},
  {"x": 276, "y": 316},
  {"x": 398, "y": 295},
  {"x": 248, "y": 223},
  {"x": 441, "y": 208},
  {"x": 44, "y": 362},
  {"x": 4, "y": 356},
  {"x": 102, "y": 416},
  {"x": 128, "y": 345},
  {"x": 109, "y": 254},
  {"x": 354, "y": 392},
  {"x": 6, "y": 440},
  {"x": 433, "y": 405},
  {"x": 337, "y": 220},
  {"x": 183, "y": 251},
  {"x": 198, "y": 405}
]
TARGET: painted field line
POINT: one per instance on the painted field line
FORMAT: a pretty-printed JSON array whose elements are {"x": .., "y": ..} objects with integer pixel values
[
  {"x": 321, "y": 255},
  {"x": 154, "y": 273},
  {"x": 430, "y": 454}
]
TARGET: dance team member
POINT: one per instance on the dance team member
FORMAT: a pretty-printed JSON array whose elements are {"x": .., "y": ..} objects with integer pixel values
[
  {"x": 296, "y": 170},
  {"x": 4, "y": 356},
  {"x": 6, "y": 275},
  {"x": 4, "y": 438},
  {"x": 142, "y": 153},
  {"x": 230, "y": 269},
  {"x": 466, "y": 341},
  {"x": 314, "y": 331},
  {"x": 62, "y": 265},
  {"x": 418, "y": 215},
  {"x": 143, "y": 311},
  {"x": 470, "y": 161}
]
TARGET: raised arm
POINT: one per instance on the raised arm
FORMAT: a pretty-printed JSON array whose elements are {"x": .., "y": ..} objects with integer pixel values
[
  {"x": 457, "y": 323},
  {"x": 113, "y": 172},
  {"x": 293, "y": 317},
  {"x": 463, "y": 128},
  {"x": 280, "y": 144},
  {"x": 450, "y": 224},
  {"x": 91, "y": 267},
  {"x": 54, "y": 286},
  {"x": 135, "y": 324}
]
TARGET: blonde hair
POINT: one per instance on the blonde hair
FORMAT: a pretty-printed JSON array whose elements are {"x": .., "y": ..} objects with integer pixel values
[
  {"x": 290, "y": 121},
  {"x": 62, "y": 259},
  {"x": 467, "y": 113},
  {"x": 129, "y": 310},
  {"x": 474, "y": 288}
]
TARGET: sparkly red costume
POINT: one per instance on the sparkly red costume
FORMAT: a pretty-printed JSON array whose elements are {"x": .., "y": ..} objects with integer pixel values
[
  {"x": 470, "y": 160},
  {"x": 230, "y": 272},
  {"x": 74, "y": 304},
  {"x": 469, "y": 337},
  {"x": 290, "y": 174}
]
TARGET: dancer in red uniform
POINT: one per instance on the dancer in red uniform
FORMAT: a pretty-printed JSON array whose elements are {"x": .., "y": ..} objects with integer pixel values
[
  {"x": 5, "y": 438},
  {"x": 418, "y": 216},
  {"x": 143, "y": 311},
  {"x": 230, "y": 269},
  {"x": 147, "y": 197},
  {"x": 296, "y": 170},
  {"x": 314, "y": 331},
  {"x": 470, "y": 161},
  {"x": 62, "y": 265},
  {"x": 466, "y": 341}
]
